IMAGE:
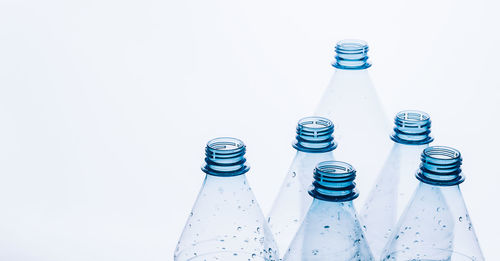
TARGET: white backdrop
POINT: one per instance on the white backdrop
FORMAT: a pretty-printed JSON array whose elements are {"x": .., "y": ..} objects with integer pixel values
[{"x": 105, "y": 106}]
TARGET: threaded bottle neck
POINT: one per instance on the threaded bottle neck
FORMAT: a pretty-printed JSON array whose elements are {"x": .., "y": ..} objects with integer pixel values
[
  {"x": 314, "y": 135},
  {"x": 351, "y": 55},
  {"x": 440, "y": 166},
  {"x": 412, "y": 127},
  {"x": 225, "y": 157},
  {"x": 334, "y": 181}
]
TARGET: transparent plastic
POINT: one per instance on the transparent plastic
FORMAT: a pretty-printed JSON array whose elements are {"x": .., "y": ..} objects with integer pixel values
[
  {"x": 435, "y": 225},
  {"x": 314, "y": 143},
  {"x": 226, "y": 223},
  {"x": 331, "y": 230},
  {"x": 352, "y": 103},
  {"x": 396, "y": 181}
]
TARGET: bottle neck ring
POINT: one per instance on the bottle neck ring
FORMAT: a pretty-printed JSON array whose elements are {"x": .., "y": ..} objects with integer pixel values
[
  {"x": 440, "y": 166},
  {"x": 351, "y": 55},
  {"x": 314, "y": 135},
  {"x": 412, "y": 128},
  {"x": 225, "y": 157},
  {"x": 334, "y": 181}
]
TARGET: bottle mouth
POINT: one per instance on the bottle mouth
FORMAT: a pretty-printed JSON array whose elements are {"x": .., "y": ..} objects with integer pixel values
[
  {"x": 334, "y": 181},
  {"x": 412, "y": 127},
  {"x": 351, "y": 54},
  {"x": 225, "y": 156},
  {"x": 441, "y": 166},
  {"x": 315, "y": 135}
]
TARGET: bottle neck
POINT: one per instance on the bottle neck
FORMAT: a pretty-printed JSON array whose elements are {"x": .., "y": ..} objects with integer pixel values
[
  {"x": 314, "y": 135},
  {"x": 412, "y": 128},
  {"x": 351, "y": 55},
  {"x": 334, "y": 181},
  {"x": 225, "y": 157},
  {"x": 440, "y": 166}
]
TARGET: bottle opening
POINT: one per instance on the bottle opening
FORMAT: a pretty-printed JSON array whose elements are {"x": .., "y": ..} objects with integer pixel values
[
  {"x": 412, "y": 127},
  {"x": 315, "y": 135},
  {"x": 225, "y": 144},
  {"x": 225, "y": 157},
  {"x": 335, "y": 168},
  {"x": 334, "y": 181},
  {"x": 351, "y": 55},
  {"x": 441, "y": 166}
]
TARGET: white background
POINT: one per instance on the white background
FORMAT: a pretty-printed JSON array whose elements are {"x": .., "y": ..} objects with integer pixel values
[{"x": 105, "y": 106}]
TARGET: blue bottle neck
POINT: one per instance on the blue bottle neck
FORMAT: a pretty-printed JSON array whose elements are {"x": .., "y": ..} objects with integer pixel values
[
  {"x": 440, "y": 166},
  {"x": 351, "y": 55},
  {"x": 334, "y": 181},
  {"x": 412, "y": 128},
  {"x": 314, "y": 135},
  {"x": 225, "y": 157}
]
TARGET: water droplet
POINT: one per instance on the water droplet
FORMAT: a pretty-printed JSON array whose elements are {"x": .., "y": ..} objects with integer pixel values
[
  {"x": 294, "y": 174},
  {"x": 238, "y": 228},
  {"x": 326, "y": 226},
  {"x": 191, "y": 214},
  {"x": 258, "y": 229},
  {"x": 315, "y": 252},
  {"x": 235, "y": 254},
  {"x": 460, "y": 219}
]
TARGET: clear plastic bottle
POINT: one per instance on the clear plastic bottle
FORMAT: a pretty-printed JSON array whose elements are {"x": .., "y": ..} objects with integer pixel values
[
  {"x": 226, "y": 223},
  {"x": 396, "y": 181},
  {"x": 331, "y": 230},
  {"x": 351, "y": 101},
  {"x": 435, "y": 225},
  {"x": 314, "y": 143}
]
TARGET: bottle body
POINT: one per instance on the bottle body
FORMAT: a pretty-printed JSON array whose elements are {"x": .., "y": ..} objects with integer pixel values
[
  {"x": 361, "y": 127},
  {"x": 330, "y": 231},
  {"x": 390, "y": 194},
  {"x": 293, "y": 200},
  {"x": 226, "y": 223},
  {"x": 436, "y": 224}
]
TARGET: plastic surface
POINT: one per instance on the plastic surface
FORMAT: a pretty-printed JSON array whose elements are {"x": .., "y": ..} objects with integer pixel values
[
  {"x": 396, "y": 181},
  {"x": 314, "y": 143},
  {"x": 351, "y": 102},
  {"x": 436, "y": 224},
  {"x": 226, "y": 223},
  {"x": 331, "y": 230}
]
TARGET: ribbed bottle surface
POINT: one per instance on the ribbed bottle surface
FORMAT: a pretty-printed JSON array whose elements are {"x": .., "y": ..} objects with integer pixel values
[
  {"x": 225, "y": 157},
  {"x": 441, "y": 166},
  {"x": 334, "y": 181},
  {"x": 412, "y": 128},
  {"x": 314, "y": 134},
  {"x": 351, "y": 55}
]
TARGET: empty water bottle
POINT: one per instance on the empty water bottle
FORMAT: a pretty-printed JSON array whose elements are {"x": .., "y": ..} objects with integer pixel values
[
  {"x": 331, "y": 230},
  {"x": 351, "y": 101},
  {"x": 435, "y": 225},
  {"x": 395, "y": 183},
  {"x": 314, "y": 143},
  {"x": 226, "y": 223}
]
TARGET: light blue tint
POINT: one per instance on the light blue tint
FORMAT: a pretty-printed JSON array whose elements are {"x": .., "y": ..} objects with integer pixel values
[
  {"x": 314, "y": 143},
  {"x": 331, "y": 230},
  {"x": 351, "y": 102},
  {"x": 435, "y": 225},
  {"x": 226, "y": 223},
  {"x": 396, "y": 181},
  {"x": 351, "y": 55}
]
